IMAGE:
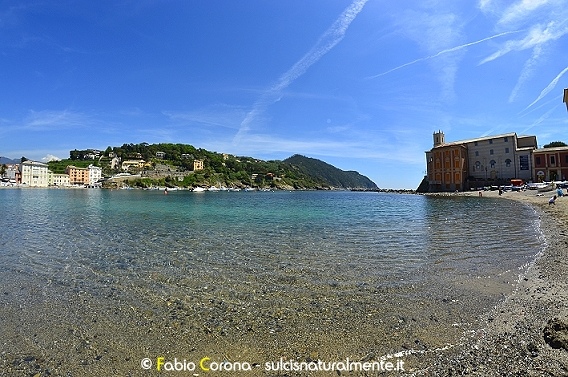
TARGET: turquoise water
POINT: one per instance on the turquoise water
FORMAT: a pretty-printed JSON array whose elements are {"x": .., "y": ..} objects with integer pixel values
[
  {"x": 276, "y": 263},
  {"x": 386, "y": 234}
]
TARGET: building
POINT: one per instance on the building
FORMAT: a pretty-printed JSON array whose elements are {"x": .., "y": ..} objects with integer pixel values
[
  {"x": 132, "y": 165},
  {"x": 34, "y": 174},
  {"x": 60, "y": 180},
  {"x": 490, "y": 160},
  {"x": 498, "y": 159},
  {"x": 550, "y": 164},
  {"x": 447, "y": 165},
  {"x": 160, "y": 155},
  {"x": 95, "y": 174},
  {"x": 13, "y": 173},
  {"x": 77, "y": 176},
  {"x": 84, "y": 176},
  {"x": 115, "y": 162},
  {"x": 198, "y": 165}
]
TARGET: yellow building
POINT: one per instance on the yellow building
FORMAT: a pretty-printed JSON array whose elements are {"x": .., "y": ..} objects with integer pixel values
[
  {"x": 59, "y": 180},
  {"x": 198, "y": 165},
  {"x": 447, "y": 166},
  {"x": 129, "y": 164}
]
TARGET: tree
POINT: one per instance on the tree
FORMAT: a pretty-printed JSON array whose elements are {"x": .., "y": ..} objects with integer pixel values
[
  {"x": 76, "y": 154},
  {"x": 3, "y": 169},
  {"x": 555, "y": 144}
]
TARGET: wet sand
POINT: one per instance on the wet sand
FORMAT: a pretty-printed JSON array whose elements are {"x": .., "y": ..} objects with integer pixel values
[{"x": 526, "y": 334}]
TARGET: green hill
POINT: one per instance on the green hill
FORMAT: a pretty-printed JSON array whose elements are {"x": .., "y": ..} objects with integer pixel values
[
  {"x": 329, "y": 174},
  {"x": 167, "y": 164}
]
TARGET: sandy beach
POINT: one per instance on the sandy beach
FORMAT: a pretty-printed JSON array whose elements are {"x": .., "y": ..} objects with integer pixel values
[{"x": 526, "y": 334}]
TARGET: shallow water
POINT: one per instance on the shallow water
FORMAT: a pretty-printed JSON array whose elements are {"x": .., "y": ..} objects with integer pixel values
[{"x": 96, "y": 280}]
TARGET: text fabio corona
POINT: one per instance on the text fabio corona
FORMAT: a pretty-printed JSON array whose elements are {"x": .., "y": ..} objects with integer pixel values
[{"x": 207, "y": 364}]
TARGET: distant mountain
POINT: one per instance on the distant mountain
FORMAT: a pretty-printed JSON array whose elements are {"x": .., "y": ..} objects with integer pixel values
[
  {"x": 329, "y": 174},
  {"x": 7, "y": 161}
]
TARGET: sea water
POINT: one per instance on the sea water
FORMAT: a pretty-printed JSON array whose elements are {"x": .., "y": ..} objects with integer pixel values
[{"x": 101, "y": 279}]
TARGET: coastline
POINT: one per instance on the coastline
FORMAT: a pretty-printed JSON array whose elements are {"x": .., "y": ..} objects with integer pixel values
[{"x": 512, "y": 341}]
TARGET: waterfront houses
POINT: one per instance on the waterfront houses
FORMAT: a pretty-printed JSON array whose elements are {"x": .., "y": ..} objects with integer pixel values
[
  {"x": 34, "y": 174},
  {"x": 467, "y": 164}
]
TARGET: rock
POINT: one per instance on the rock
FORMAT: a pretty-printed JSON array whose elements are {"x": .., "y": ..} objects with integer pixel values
[{"x": 556, "y": 333}]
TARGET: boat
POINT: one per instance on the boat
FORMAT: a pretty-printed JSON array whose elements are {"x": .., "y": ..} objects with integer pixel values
[
  {"x": 541, "y": 187},
  {"x": 198, "y": 189},
  {"x": 213, "y": 188}
]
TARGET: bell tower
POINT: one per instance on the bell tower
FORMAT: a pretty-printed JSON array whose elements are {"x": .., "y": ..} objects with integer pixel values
[{"x": 439, "y": 139}]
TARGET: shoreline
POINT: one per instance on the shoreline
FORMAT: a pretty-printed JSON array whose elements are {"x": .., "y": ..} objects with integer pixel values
[{"x": 512, "y": 340}]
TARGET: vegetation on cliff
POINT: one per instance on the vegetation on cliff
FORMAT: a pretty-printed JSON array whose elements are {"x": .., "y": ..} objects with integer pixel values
[{"x": 168, "y": 164}]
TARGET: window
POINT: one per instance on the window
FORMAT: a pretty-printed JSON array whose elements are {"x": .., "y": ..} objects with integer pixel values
[
  {"x": 477, "y": 154},
  {"x": 477, "y": 165},
  {"x": 505, "y": 139},
  {"x": 552, "y": 160},
  {"x": 537, "y": 160},
  {"x": 475, "y": 143},
  {"x": 491, "y": 151},
  {"x": 566, "y": 158},
  {"x": 490, "y": 141},
  {"x": 492, "y": 163},
  {"x": 508, "y": 163},
  {"x": 506, "y": 150}
]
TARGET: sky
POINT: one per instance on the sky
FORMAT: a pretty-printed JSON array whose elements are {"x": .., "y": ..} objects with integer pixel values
[{"x": 359, "y": 84}]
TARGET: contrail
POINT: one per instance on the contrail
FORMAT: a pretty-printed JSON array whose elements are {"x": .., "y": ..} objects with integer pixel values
[
  {"x": 541, "y": 119},
  {"x": 549, "y": 87},
  {"x": 326, "y": 42},
  {"x": 442, "y": 53}
]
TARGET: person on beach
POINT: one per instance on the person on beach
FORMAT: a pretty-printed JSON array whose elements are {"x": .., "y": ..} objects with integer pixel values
[{"x": 552, "y": 200}]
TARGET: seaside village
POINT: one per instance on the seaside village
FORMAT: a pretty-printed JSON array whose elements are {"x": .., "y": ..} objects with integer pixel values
[
  {"x": 37, "y": 174},
  {"x": 506, "y": 161},
  {"x": 498, "y": 162}
]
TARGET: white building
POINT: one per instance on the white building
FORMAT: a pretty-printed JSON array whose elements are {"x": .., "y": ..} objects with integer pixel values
[
  {"x": 12, "y": 172},
  {"x": 95, "y": 174},
  {"x": 34, "y": 174}
]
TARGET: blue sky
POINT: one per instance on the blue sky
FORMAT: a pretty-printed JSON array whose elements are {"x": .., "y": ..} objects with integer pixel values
[{"x": 359, "y": 84}]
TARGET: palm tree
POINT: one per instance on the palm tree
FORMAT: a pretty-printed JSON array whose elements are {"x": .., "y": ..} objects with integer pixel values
[{"x": 3, "y": 170}]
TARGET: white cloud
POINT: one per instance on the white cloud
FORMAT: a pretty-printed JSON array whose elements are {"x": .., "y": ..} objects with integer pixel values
[
  {"x": 521, "y": 10},
  {"x": 526, "y": 73},
  {"x": 536, "y": 36},
  {"x": 53, "y": 119},
  {"x": 215, "y": 116},
  {"x": 326, "y": 43},
  {"x": 443, "y": 52},
  {"x": 550, "y": 86}
]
